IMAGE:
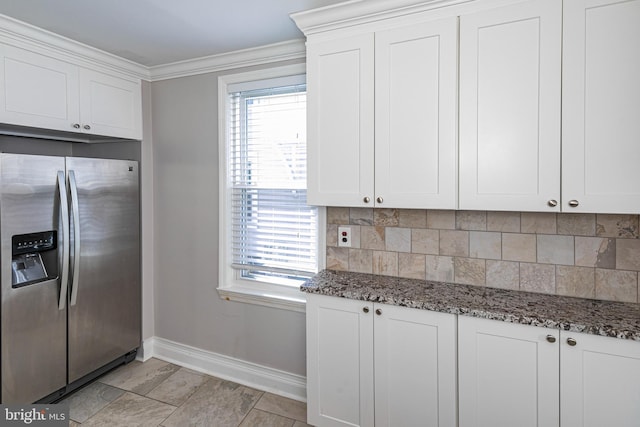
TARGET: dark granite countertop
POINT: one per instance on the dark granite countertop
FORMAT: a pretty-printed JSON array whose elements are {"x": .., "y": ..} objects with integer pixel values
[{"x": 613, "y": 319}]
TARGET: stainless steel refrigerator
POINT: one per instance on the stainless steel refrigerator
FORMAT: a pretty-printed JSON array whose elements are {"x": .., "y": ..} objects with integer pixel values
[{"x": 70, "y": 272}]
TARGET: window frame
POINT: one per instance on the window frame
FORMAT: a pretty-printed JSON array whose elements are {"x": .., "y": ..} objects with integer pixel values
[{"x": 230, "y": 287}]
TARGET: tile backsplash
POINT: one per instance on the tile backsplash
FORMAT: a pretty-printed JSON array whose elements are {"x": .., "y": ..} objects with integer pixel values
[{"x": 584, "y": 255}]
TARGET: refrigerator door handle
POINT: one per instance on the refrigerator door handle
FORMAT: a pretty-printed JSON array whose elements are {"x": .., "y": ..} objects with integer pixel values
[
  {"x": 76, "y": 237},
  {"x": 64, "y": 207}
]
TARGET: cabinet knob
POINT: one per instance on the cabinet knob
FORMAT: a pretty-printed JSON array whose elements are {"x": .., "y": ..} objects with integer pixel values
[
  {"x": 86, "y": 127},
  {"x": 379, "y": 199},
  {"x": 366, "y": 199},
  {"x": 573, "y": 203},
  {"x": 378, "y": 311},
  {"x": 552, "y": 203},
  {"x": 365, "y": 309},
  {"x": 76, "y": 125},
  {"x": 571, "y": 342},
  {"x": 551, "y": 338}
]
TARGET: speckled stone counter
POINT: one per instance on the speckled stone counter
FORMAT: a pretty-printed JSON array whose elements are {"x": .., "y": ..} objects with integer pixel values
[{"x": 613, "y": 319}]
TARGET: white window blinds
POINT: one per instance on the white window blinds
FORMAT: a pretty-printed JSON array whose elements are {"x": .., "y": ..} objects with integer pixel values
[{"x": 273, "y": 232}]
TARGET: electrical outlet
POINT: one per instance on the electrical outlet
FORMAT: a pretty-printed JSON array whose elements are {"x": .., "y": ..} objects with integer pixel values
[{"x": 344, "y": 237}]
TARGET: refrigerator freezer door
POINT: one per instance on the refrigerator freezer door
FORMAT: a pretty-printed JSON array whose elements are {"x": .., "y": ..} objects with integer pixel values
[
  {"x": 33, "y": 328},
  {"x": 105, "y": 309}
]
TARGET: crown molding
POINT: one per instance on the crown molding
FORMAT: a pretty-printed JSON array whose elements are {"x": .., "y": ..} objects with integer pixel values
[
  {"x": 26, "y": 36},
  {"x": 293, "y": 49}
]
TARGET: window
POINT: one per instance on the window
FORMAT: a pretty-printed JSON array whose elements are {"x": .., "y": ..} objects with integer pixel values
[{"x": 270, "y": 237}]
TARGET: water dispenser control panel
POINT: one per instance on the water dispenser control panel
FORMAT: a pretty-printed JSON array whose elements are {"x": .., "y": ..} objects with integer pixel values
[{"x": 34, "y": 258}]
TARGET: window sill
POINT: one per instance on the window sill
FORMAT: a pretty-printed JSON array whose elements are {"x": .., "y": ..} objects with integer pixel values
[{"x": 291, "y": 299}]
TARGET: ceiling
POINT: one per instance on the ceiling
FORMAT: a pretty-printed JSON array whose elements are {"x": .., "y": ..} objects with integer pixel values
[{"x": 158, "y": 32}]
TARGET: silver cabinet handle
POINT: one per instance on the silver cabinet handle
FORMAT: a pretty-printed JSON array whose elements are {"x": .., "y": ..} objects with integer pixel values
[
  {"x": 552, "y": 203},
  {"x": 378, "y": 311},
  {"x": 76, "y": 237},
  {"x": 86, "y": 127},
  {"x": 573, "y": 203},
  {"x": 551, "y": 338},
  {"x": 366, "y": 199},
  {"x": 64, "y": 207},
  {"x": 571, "y": 342},
  {"x": 365, "y": 309},
  {"x": 76, "y": 125},
  {"x": 379, "y": 199}
]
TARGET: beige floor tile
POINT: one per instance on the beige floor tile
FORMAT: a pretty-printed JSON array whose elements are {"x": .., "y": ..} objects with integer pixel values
[
  {"x": 216, "y": 403},
  {"x": 131, "y": 410},
  {"x": 258, "y": 418},
  {"x": 87, "y": 402},
  {"x": 140, "y": 377},
  {"x": 300, "y": 424},
  {"x": 73, "y": 423},
  {"x": 178, "y": 387},
  {"x": 282, "y": 406}
]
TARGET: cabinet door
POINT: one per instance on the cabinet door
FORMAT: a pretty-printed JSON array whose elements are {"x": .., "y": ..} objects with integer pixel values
[
  {"x": 339, "y": 362},
  {"x": 415, "y": 130},
  {"x": 508, "y": 374},
  {"x": 601, "y": 106},
  {"x": 110, "y": 105},
  {"x": 340, "y": 121},
  {"x": 37, "y": 91},
  {"x": 510, "y": 72},
  {"x": 600, "y": 381},
  {"x": 415, "y": 367}
]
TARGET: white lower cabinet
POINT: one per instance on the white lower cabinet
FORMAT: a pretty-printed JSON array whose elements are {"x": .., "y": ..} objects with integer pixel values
[{"x": 374, "y": 364}]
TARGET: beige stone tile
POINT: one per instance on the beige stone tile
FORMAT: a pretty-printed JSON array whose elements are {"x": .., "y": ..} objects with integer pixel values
[
  {"x": 337, "y": 215},
  {"x": 575, "y": 281},
  {"x": 216, "y": 403},
  {"x": 554, "y": 249},
  {"x": 87, "y": 402},
  {"x": 385, "y": 263},
  {"x": 503, "y": 221},
  {"x": 578, "y": 224},
  {"x": 595, "y": 252},
  {"x": 386, "y": 217},
  {"x": 397, "y": 239},
  {"x": 411, "y": 266},
  {"x": 412, "y": 218},
  {"x": 503, "y": 274},
  {"x": 518, "y": 247},
  {"x": 361, "y": 260},
  {"x": 282, "y": 406},
  {"x": 628, "y": 254},
  {"x": 454, "y": 243},
  {"x": 617, "y": 285},
  {"x": 538, "y": 278},
  {"x": 75, "y": 424},
  {"x": 441, "y": 220},
  {"x": 617, "y": 226},
  {"x": 338, "y": 259},
  {"x": 131, "y": 410},
  {"x": 471, "y": 220},
  {"x": 425, "y": 241},
  {"x": 178, "y": 387},
  {"x": 484, "y": 244},
  {"x": 140, "y": 377},
  {"x": 258, "y": 418},
  {"x": 299, "y": 424},
  {"x": 372, "y": 237},
  {"x": 361, "y": 216},
  {"x": 538, "y": 222},
  {"x": 469, "y": 271},
  {"x": 439, "y": 268},
  {"x": 332, "y": 235}
]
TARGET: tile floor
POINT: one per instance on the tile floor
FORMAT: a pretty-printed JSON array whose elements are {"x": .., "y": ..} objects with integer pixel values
[{"x": 157, "y": 393}]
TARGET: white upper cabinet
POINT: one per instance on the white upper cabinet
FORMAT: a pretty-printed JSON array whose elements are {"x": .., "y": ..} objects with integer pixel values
[
  {"x": 405, "y": 79},
  {"x": 510, "y": 74},
  {"x": 37, "y": 91},
  {"x": 601, "y": 106}
]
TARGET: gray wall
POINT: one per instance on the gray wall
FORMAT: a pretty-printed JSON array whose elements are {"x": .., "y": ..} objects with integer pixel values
[{"x": 188, "y": 309}]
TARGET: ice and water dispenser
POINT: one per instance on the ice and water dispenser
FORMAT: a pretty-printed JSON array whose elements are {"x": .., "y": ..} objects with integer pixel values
[{"x": 34, "y": 258}]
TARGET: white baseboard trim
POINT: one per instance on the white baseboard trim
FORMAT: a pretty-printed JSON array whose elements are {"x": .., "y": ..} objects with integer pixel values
[{"x": 228, "y": 368}]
